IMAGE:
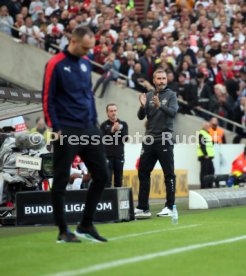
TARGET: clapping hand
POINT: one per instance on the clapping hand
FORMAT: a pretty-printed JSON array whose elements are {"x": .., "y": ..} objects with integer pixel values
[
  {"x": 142, "y": 99},
  {"x": 156, "y": 101},
  {"x": 116, "y": 126}
]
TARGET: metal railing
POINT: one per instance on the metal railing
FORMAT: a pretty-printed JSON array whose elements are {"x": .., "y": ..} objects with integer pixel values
[{"x": 225, "y": 120}]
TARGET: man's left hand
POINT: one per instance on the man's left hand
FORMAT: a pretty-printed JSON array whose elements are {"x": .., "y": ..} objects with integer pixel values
[
  {"x": 156, "y": 101},
  {"x": 116, "y": 126}
]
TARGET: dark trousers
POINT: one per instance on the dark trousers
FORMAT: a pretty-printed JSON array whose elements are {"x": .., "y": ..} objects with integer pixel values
[
  {"x": 95, "y": 159},
  {"x": 105, "y": 82},
  {"x": 207, "y": 168},
  {"x": 115, "y": 166},
  {"x": 148, "y": 159}
]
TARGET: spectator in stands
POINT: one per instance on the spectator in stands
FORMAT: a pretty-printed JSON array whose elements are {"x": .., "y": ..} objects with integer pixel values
[
  {"x": 127, "y": 67},
  {"x": 205, "y": 152},
  {"x": 62, "y": 7},
  {"x": 150, "y": 21},
  {"x": 185, "y": 50},
  {"x": 237, "y": 35},
  {"x": 146, "y": 35},
  {"x": 138, "y": 79},
  {"x": 213, "y": 70},
  {"x": 186, "y": 93},
  {"x": 187, "y": 68},
  {"x": 34, "y": 8},
  {"x": 111, "y": 73},
  {"x": 166, "y": 25},
  {"x": 200, "y": 56},
  {"x": 217, "y": 133},
  {"x": 14, "y": 6},
  {"x": 232, "y": 87},
  {"x": 64, "y": 18},
  {"x": 92, "y": 19},
  {"x": 116, "y": 26},
  {"x": 204, "y": 91},
  {"x": 41, "y": 19},
  {"x": 222, "y": 103},
  {"x": 67, "y": 33},
  {"x": 225, "y": 73},
  {"x": 52, "y": 7},
  {"x": 101, "y": 50},
  {"x": 113, "y": 34},
  {"x": 140, "y": 47},
  {"x": 224, "y": 56},
  {"x": 6, "y": 21},
  {"x": 120, "y": 55},
  {"x": 214, "y": 47},
  {"x": 165, "y": 61},
  {"x": 19, "y": 21},
  {"x": 29, "y": 33},
  {"x": 171, "y": 83},
  {"x": 238, "y": 171},
  {"x": 116, "y": 129},
  {"x": 52, "y": 40},
  {"x": 54, "y": 24},
  {"x": 170, "y": 49},
  {"x": 148, "y": 64},
  {"x": 24, "y": 12},
  {"x": 42, "y": 129},
  {"x": 238, "y": 54}
]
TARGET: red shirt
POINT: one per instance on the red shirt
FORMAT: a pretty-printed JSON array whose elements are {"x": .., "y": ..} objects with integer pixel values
[{"x": 239, "y": 164}]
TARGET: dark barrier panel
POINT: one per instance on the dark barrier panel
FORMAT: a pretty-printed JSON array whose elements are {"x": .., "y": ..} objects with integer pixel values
[{"x": 35, "y": 207}]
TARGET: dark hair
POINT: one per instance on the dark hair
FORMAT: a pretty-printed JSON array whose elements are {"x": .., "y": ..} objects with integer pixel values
[
  {"x": 243, "y": 69},
  {"x": 182, "y": 74},
  {"x": 158, "y": 70},
  {"x": 80, "y": 32},
  {"x": 110, "y": 104},
  {"x": 200, "y": 75}
]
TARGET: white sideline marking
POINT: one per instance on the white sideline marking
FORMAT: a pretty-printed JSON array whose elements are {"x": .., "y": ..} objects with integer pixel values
[
  {"x": 138, "y": 259},
  {"x": 153, "y": 232}
]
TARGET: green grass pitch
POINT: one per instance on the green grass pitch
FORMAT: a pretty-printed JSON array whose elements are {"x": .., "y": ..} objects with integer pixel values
[{"x": 205, "y": 242}]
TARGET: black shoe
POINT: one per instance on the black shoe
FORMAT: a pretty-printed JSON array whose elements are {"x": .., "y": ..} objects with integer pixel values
[
  {"x": 89, "y": 233},
  {"x": 67, "y": 237}
]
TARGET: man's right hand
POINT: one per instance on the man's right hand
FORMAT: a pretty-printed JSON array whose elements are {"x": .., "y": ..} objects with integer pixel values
[{"x": 142, "y": 99}]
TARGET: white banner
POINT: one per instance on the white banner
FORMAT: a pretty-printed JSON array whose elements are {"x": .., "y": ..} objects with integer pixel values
[{"x": 28, "y": 162}]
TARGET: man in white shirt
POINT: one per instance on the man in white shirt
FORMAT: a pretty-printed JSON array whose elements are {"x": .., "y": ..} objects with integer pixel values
[
  {"x": 224, "y": 55},
  {"x": 30, "y": 33},
  {"x": 54, "y": 23},
  {"x": 53, "y": 6}
]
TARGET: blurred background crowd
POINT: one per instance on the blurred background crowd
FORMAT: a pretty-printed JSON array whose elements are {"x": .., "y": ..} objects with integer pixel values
[{"x": 201, "y": 44}]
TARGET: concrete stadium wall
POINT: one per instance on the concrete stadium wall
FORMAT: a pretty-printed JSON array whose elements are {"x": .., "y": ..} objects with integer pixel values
[{"x": 22, "y": 64}]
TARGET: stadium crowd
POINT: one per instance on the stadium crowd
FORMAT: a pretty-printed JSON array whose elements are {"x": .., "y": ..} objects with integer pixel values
[{"x": 201, "y": 44}]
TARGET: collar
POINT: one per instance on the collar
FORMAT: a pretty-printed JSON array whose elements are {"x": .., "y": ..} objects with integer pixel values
[{"x": 69, "y": 55}]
